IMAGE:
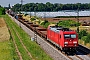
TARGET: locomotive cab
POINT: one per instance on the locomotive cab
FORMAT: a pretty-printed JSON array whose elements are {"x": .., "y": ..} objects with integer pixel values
[{"x": 70, "y": 40}]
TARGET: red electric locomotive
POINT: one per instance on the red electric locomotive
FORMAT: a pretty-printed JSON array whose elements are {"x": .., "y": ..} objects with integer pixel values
[{"x": 64, "y": 38}]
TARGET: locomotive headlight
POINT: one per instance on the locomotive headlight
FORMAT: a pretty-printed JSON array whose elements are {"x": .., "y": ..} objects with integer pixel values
[
  {"x": 75, "y": 45},
  {"x": 65, "y": 42},
  {"x": 65, "y": 45},
  {"x": 75, "y": 42}
]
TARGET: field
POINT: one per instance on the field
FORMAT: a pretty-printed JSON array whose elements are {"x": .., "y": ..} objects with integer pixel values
[
  {"x": 4, "y": 34},
  {"x": 81, "y": 19},
  {"x": 6, "y": 50}
]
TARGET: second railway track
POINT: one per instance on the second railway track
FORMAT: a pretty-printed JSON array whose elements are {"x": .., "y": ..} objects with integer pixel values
[
  {"x": 16, "y": 45},
  {"x": 23, "y": 44},
  {"x": 17, "y": 50}
]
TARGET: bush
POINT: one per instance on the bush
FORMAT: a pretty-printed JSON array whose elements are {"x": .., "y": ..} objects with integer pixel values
[
  {"x": 68, "y": 23},
  {"x": 25, "y": 14},
  {"x": 84, "y": 38},
  {"x": 2, "y": 11},
  {"x": 87, "y": 39},
  {"x": 82, "y": 33},
  {"x": 32, "y": 19},
  {"x": 45, "y": 24}
]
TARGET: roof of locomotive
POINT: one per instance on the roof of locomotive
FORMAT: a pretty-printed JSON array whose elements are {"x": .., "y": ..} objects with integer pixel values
[{"x": 58, "y": 28}]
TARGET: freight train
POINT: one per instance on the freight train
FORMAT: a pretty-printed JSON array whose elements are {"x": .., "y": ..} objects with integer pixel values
[{"x": 64, "y": 38}]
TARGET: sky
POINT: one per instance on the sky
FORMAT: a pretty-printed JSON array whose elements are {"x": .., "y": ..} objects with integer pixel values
[{"x": 5, "y": 3}]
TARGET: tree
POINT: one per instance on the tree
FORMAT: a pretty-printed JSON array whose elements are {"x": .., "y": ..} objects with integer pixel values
[
  {"x": 16, "y": 8},
  {"x": 9, "y": 6},
  {"x": 57, "y": 7},
  {"x": 50, "y": 7},
  {"x": 0, "y": 5},
  {"x": 2, "y": 11}
]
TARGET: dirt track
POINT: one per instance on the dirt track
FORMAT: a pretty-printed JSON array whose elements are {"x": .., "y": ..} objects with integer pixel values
[{"x": 4, "y": 34}]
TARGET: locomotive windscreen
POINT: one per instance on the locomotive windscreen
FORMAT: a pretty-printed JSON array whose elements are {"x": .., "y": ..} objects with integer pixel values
[{"x": 69, "y": 35}]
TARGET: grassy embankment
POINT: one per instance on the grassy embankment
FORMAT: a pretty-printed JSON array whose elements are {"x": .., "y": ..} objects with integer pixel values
[
  {"x": 33, "y": 48},
  {"x": 7, "y": 52}
]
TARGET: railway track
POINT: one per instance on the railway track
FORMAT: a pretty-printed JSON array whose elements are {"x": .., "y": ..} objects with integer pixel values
[
  {"x": 82, "y": 53},
  {"x": 15, "y": 43},
  {"x": 16, "y": 47},
  {"x": 85, "y": 50},
  {"x": 71, "y": 56},
  {"x": 79, "y": 55},
  {"x": 23, "y": 45},
  {"x": 17, "y": 50}
]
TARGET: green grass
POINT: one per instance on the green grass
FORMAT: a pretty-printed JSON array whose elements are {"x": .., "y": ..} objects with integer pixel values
[
  {"x": 13, "y": 51},
  {"x": 7, "y": 50},
  {"x": 33, "y": 48},
  {"x": 20, "y": 47}
]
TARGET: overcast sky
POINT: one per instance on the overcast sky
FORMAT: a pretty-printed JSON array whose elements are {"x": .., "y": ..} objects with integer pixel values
[{"x": 13, "y": 2}]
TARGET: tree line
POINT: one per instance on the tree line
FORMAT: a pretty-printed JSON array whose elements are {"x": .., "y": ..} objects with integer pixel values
[
  {"x": 2, "y": 10},
  {"x": 50, "y": 7}
]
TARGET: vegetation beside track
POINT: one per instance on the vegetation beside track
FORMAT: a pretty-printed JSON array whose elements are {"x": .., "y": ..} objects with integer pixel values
[
  {"x": 33, "y": 48},
  {"x": 7, "y": 50},
  {"x": 84, "y": 37},
  {"x": 2, "y": 11}
]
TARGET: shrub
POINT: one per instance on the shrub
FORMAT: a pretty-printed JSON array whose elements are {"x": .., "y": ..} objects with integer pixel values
[
  {"x": 2, "y": 11},
  {"x": 45, "y": 24},
  {"x": 32, "y": 19},
  {"x": 82, "y": 33},
  {"x": 84, "y": 38},
  {"x": 25, "y": 14},
  {"x": 68, "y": 23},
  {"x": 87, "y": 39}
]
